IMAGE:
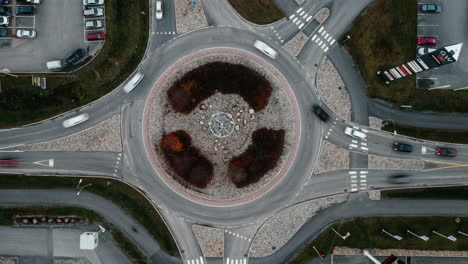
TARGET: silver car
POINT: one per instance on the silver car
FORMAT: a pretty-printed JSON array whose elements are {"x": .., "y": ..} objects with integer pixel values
[
  {"x": 75, "y": 120},
  {"x": 93, "y": 24},
  {"x": 4, "y": 21},
  {"x": 265, "y": 49},
  {"x": 26, "y": 33}
]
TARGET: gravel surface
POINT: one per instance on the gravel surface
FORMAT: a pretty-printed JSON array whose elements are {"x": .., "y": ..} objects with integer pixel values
[
  {"x": 322, "y": 15},
  {"x": 188, "y": 18},
  {"x": 104, "y": 136},
  {"x": 277, "y": 115},
  {"x": 211, "y": 240},
  {"x": 295, "y": 44},
  {"x": 384, "y": 163},
  {"x": 277, "y": 230},
  {"x": 332, "y": 89},
  {"x": 8, "y": 260},
  {"x": 400, "y": 252},
  {"x": 331, "y": 157},
  {"x": 374, "y": 195},
  {"x": 375, "y": 123},
  {"x": 71, "y": 261}
]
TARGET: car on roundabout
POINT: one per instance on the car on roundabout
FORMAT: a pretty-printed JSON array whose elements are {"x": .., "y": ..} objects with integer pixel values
[
  {"x": 265, "y": 49},
  {"x": 318, "y": 111},
  {"x": 75, "y": 120}
]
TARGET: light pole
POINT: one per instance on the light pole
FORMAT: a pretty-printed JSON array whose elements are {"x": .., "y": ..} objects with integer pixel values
[
  {"x": 461, "y": 233},
  {"x": 425, "y": 238},
  {"x": 451, "y": 238},
  {"x": 82, "y": 187},
  {"x": 394, "y": 236},
  {"x": 79, "y": 182},
  {"x": 343, "y": 237}
]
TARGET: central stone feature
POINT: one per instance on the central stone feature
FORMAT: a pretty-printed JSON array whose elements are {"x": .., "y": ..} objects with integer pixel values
[{"x": 221, "y": 124}]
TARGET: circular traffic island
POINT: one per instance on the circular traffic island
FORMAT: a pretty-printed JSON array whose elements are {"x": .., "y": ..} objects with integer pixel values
[{"x": 221, "y": 127}]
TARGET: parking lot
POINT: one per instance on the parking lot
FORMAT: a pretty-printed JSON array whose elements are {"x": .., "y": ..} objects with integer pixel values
[
  {"x": 450, "y": 27},
  {"x": 60, "y": 30}
]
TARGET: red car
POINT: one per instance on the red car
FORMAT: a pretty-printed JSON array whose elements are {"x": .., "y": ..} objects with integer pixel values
[
  {"x": 447, "y": 152},
  {"x": 427, "y": 40},
  {"x": 97, "y": 36},
  {"x": 9, "y": 163}
]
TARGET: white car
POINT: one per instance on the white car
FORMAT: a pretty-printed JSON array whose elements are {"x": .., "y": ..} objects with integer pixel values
[
  {"x": 93, "y": 12},
  {"x": 265, "y": 49},
  {"x": 134, "y": 81},
  {"x": 75, "y": 120},
  {"x": 354, "y": 133},
  {"x": 159, "y": 11},
  {"x": 425, "y": 50},
  {"x": 93, "y": 2},
  {"x": 26, "y": 33},
  {"x": 93, "y": 24},
  {"x": 4, "y": 21}
]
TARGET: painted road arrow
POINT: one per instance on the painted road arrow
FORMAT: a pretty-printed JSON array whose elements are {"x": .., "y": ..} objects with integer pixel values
[{"x": 47, "y": 163}]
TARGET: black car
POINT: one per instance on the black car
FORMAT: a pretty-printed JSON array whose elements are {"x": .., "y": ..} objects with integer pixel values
[
  {"x": 4, "y": 2},
  {"x": 25, "y": 10},
  {"x": 75, "y": 56},
  {"x": 402, "y": 147},
  {"x": 3, "y": 32},
  {"x": 5, "y": 11},
  {"x": 399, "y": 179},
  {"x": 321, "y": 113}
]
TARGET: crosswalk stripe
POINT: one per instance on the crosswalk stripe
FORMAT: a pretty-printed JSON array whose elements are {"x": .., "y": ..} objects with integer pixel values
[
  {"x": 333, "y": 41},
  {"x": 314, "y": 37}
]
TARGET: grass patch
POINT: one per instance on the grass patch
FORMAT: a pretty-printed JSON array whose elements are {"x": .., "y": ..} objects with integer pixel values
[
  {"x": 450, "y": 136},
  {"x": 120, "y": 194},
  {"x": 367, "y": 233},
  {"x": 21, "y": 103},
  {"x": 442, "y": 193},
  {"x": 385, "y": 35},
  {"x": 260, "y": 12}
]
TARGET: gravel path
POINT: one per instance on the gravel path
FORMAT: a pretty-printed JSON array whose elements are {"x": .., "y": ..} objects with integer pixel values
[
  {"x": 211, "y": 240},
  {"x": 331, "y": 157},
  {"x": 400, "y": 252},
  {"x": 220, "y": 150},
  {"x": 104, "y": 136},
  {"x": 384, "y": 163},
  {"x": 374, "y": 195},
  {"x": 71, "y": 261},
  {"x": 322, "y": 15},
  {"x": 295, "y": 44},
  {"x": 332, "y": 89},
  {"x": 277, "y": 230},
  {"x": 188, "y": 18},
  {"x": 375, "y": 123},
  {"x": 8, "y": 260}
]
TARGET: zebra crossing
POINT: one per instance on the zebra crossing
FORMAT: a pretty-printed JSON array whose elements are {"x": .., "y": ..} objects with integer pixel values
[
  {"x": 300, "y": 18},
  {"x": 358, "y": 180},
  {"x": 323, "y": 39}
]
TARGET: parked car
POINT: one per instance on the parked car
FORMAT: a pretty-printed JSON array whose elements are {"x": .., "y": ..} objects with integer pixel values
[
  {"x": 96, "y": 36},
  {"x": 9, "y": 163},
  {"x": 3, "y": 32},
  {"x": 425, "y": 50},
  {"x": 4, "y": 2},
  {"x": 5, "y": 11},
  {"x": 402, "y": 147},
  {"x": 354, "y": 133},
  {"x": 93, "y": 24},
  {"x": 265, "y": 49},
  {"x": 427, "y": 40},
  {"x": 93, "y": 12},
  {"x": 29, "y": 1},
  {"x": 25, "y": 33},
  {"x": 159, "y": 11},
  {"x": 55, "y": 65},
  {"x": 321, "y": 113},
  {"x": 75, "y": 120},
  {"x": 134, "y": 81},
  {"x": 25, "y": 10},
  {"x": 446, "y": 152},
  {"x": 430, "y": 8},
  {"x": 399, "y": 179},
  {"x": 93, "y": 2},
  {"x": 75, "y": 56},
  {"x": 4, "y": 21}
]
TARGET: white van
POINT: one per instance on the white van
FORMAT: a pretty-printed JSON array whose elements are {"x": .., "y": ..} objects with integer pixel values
[
  {"x": 354, "y": 133},
  {"x": 55, "y": 65},
  {"x": 134, "y": 81}
]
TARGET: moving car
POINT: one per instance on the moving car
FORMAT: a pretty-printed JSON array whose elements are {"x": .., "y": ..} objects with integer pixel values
[
  {"x": 430, "y": 8},
  {"x": 5, "y": 11},
  {"x": 93, "y": 12},
  {"x": 96, "y": 36},
  {"x": 75, "y": 120},
  {"x": 26, "y": 33},
  {"x": 75, "y": 56},
  {"x": 25, "y": 10},
  {"x": 354, "y": 133},
  {"x": 399, "y": 179},
  {"x": 427, "y": 40},
  {"x": 159, "y": 11},
  {"x": 402, "y": 147},
  {"x": 4, "y": 2},
  {"x": 265, "y": 49},
  {"x": 446, "y": 152},
  {"x": 93, "y": 2},
  {"x": 134, "y": 81},
  {"x": 425, "y": 50},
  {"x": 9, "y": 163},
  {"x": 3, "y": 32},
  {"x": 4, "y": 21},
  {"x": 92, "y": 24},
  {"x": 321, "y": 113}
]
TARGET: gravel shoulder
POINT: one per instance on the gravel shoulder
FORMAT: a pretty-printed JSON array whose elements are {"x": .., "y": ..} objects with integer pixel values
[
  {"x": 332, "y": 89},
  {"x": 384, "y": 163},
  {"x": 210, "y": 239},
  {"x": 400, "y": 252},
  {"x": 188, "y": 18},
  {"x": 104, "y": 136},
  {"x": 331, "y": 157},
  {"x": 280, "y": 228}
]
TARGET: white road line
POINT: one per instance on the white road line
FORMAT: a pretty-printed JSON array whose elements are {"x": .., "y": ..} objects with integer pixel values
[
  {"x": 355, "y": 127},
  {"x": 363, "y": 172},
  {"x": 323, "y": 33},
  {"x": 354, "y": 141},
  {"x": 353, "y": 185},
  {"x": 320, "y": 43},
  {"x": 320, "y": 30},
  {"x": 354, "y": 189},
  {"x": 201, "y": 260},
  {"x": 362, "y": 176},
  {"x": 309, "y": 18},
  {"x": 353, "y": 181},
  {"x": 327, "y": 35},
  {"x": 333, "y": 41},
  {"x": 314, "y": 37},
  {"x": 294, "y": 20},
  {"x": 353, "y": 145},
  {"x": 363, "y": 143},
  {"x": 364, "y": 148},
  {"x": 299, "y": 10},
  {"x": 326, "y": 49},
  {"x": 324, "y": 45},
  {"x": 301, "y": 25},
  {"x": 352, "y": 172},
  {"x": 364, "y": 180},
  {"x": 353, "y": 176},
  {"x": 304, "y": 16},
  {"x": 302, "y": 13},
  {"x": 291, "y": 17}
]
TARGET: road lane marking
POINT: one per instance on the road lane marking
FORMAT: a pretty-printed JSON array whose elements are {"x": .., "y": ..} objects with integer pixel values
[
  {"x": 352, "y": 172},
  {"x": 47, "y": 163}
]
